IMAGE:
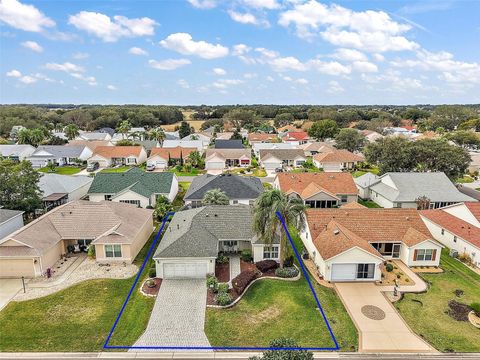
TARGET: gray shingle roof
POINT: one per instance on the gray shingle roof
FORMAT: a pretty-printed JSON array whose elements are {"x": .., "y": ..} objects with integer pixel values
[
  {"x": 59, "y": 151},
  {"x": 196, "y": 232},
  {"x": 236, "y": 187},
  {"x": 282, "y": 154},
  {"x": 229, "y": 144},
  {"x": 55, "y": 183},
  {"x": 366, "y": 180},
  {"x": 6, "y": 214}
]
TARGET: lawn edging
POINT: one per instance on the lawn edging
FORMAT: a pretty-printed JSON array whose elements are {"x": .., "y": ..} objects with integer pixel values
[{"x": 296, "y": 278}]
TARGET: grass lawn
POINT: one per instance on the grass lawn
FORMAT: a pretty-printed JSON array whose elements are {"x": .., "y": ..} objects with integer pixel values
[
  {"x": 368, "y": 204},
  {"x": 78, "y": 318},
  {"x": 372, "y": 169},
  {"x": 182, "y": 189},
  {"x": 425, "y": 313},
  {"x": 193, "y": 172},
  {"x": 115, "y": 170},
  {"x": 465, "y": 179},
  {"x": 62, "y": 170}
]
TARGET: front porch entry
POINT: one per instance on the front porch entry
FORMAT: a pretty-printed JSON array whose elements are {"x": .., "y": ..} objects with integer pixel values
[{"x": 391, "y": 250}]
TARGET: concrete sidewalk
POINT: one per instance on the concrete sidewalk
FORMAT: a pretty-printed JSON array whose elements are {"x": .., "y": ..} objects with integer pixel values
[{"x": 8, "y": 289}]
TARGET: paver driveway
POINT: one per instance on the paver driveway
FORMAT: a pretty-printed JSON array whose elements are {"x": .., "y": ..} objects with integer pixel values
[
  {"x": 178, "y": 316},
  {"x": 386, "y": 333}
]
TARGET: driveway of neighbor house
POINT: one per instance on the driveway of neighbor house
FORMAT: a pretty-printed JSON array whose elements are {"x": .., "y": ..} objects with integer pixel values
[
  {"x": 8, "y": 289},
  {"x": 178, "y": 316},
  {"x": 380, "y": 326}
]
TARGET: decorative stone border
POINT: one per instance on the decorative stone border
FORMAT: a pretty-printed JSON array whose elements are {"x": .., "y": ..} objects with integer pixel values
[
  {"x": 140, "y": 289},
  {"x": 296, "y": 278},
  {"x": 471, "y": 318}
]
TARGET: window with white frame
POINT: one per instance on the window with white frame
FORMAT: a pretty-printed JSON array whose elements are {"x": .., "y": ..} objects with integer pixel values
[
  {"x": 131, "y": 160},
  {"x": 424, "y": 255},
  {"x": 134, "y": 202},
  {"x": 270, "y": 252},
  {"x": 113, "y": 251}
]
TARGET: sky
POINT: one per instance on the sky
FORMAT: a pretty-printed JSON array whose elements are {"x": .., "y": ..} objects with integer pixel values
[{"x": 192, "y": 52}]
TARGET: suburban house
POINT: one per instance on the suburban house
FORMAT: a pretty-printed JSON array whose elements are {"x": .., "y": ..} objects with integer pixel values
[
  {"x": 261, "y": 138},
  {"x": 228, "y": 144},
  {"x": 219, "y": 159},
  {"x": 93, "y": 136},
  {"x": 59, "y": 155},
  {"x": 118, "y": 155},
  {"x": 313, "y": 148},
  {"x": 172, "y": 135},
  {"x": 16, "y": 152},
  {"x": 337, "y": 160},
  {"x": 239, "y": 189},
  {"x": 474, "y": 194},
  {"x": 134, "y": 186},
  {"x": 59, "y": 189},
  {"x": 198, "y": 144},
  {"x": 224, "y": 135},
  {"x": 457, "y": 227},
  {"x": 296, "y": 137},
  {"x": 92, "y": 145},
  {"x": 195, "y": 237},
  {"x": 205, "y": 137},
  {"x": 352, "y": 244},
  {"x": 371, "y": 136},
  {"x": 475, "y": 163},
  {"x": 118, "y": 232},
  {"x": 10, "y": 220},
  {"x": 402, "y": 190},
  {"x": 319, "y": 190},
  {"x": 272, "y": 159},
  {"x": 159, "y": 157},
  {"x": 268, "y": 146}
]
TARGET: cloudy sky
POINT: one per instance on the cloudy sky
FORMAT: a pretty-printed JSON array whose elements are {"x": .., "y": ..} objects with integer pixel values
[{"x": 240, "y": 52}]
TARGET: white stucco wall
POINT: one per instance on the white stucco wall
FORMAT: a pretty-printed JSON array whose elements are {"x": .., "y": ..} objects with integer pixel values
[
  {"x": 130, "y": 195},
  {"x": 354, "y": 256},
  {"x": 407, "y": 254}
]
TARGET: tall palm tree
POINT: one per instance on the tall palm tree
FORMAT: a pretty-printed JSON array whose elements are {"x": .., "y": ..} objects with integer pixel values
[
  {"x": 195, "y": 158},
  {"x": 23, "y": 136},
  {"x": 71, "y": 131},
  {"x": 36, "y": 137},
  {"x": 268, "y": 226},
  {"x": 215, "y": 197},
  {"x": 124, "y": 128},
  {"x": 158, "y": 135}
]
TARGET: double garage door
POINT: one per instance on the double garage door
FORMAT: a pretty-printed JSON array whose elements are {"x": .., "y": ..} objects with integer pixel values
[
  {"x": 187, "y": 270},
  {"x": 16, "y": 268}
]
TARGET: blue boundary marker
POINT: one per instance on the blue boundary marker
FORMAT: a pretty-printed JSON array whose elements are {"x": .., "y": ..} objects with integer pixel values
[{"x": 297, "y": 255}]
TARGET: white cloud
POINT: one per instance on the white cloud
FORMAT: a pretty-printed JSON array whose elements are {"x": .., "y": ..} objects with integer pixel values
[
  {"x": 364, "y": 66},
  {"x": 247, "y": 18},
  {"x": 240, "y": 49},
  {"x": 110, "y": 30},
  {"x": 183, "y": 83},
  {"x": 168, "y": 64},
  {"x": 329, "y": 67},
  {"x": 88, "y": 79},
  {"x": 111, "y": 87},
  {"x": 80, "y": 56},
  {"x": 14, "y": 73},
  {"x": 203, "y": 4},
  {"x": 262, "y": 4},
  {"x": 287, "y": 63},
  {"x": 32, "y": 45},
  {"x": 334, "y": 87},
  {"x": 28, "y": 79},
  {"x": 302, "y": 81},
  {"x": 271, "y": 79},
  {"x": 43, "y": 77},
  {"x": 379, "y": 57},
  {"x": 184, "y": 44},
  {"x": 224, "y": 83},
  {"x": 137, "y": 51},
  {"x": 219, "y": 71},
  {"x": 250, "y": 75},
  {"x": 24, "y": 17},
  {"x": 349, "y": 55},
  {"x": 66, "y": 67}
]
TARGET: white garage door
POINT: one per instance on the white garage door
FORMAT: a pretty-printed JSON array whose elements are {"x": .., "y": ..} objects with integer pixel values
[
  {"x": 215, "y": 165},
  {"x": 184, "y": 270},
  {"x": 344, "y": 272}
]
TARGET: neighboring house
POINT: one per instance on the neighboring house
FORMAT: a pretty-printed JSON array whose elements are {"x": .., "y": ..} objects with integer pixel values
[
  {"x": 93, "y": 136},
  {"x": 400, "y": 131},
  {"x": 118, "y": 155},
  {"x": 229, "y": 144},
  {"x": 319, "y": 190},
  {"x": 195, "y": 237},
  {"x": 10, "y": 221},
  {"x": 256, "y": 147},
  {"x": 219, "y": 159},
  {"x": 239, "y": 189},
  {"x": 296, "y": 137},
  {"x": 401, "y": 190},
  {"x": 316, "y": 147},
  {"x": 133, "y": 186},
  {"x": 148, "y": 145},
  {"x": 118, "y": 232},
  {"x": 337, "y": 160},
  {"x": 205, "y": 137},
  {"x": 107, "y": 130},
  {"x": 261, "y": 138},
  {"x": 363, "y": 184},
  {"x": 16, "y": 152},
  {"x": 352, "y": 244},
  {"x": 371, "y": 136},
  {"x": 92, "y": 145},
  {"x": 172, "y": 135},
  {"x": 475, "y": 194},
  {"x": 272, "y": 159},
  {"x": 457, "y": 227},
  {"x": 224, "y": 135},
  {"x": 59, "y": 189},
  {"x": 198, "y": 144},
  {"x": 287, "y": 128},
  {"x": 59, "y": 155},
  {"x": 475, "y": 163},
  {"x": 159, "y": 157}
]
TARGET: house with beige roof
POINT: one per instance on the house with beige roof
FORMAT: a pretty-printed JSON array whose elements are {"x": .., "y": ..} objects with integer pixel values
[
  {"x": 160, "y": 157},
  {"x": 319, "y": 190},
  {"x": 118, "y": 155},
  {"x": 272, "y": 159},
  {"x": 337, "y": 160},
  {"x": 118, "y": 232},
  {"x": 313, "y": 148},
  {"x": 352, "y": 244},
  {"x": 261, "y": 138},
  {"x": 217, "y": 160}
]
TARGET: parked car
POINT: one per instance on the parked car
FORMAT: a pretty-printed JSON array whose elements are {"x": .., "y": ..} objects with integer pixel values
[
  {"x": 279, "y": 170},
  {"x": 93, "y": 166},
  {"x": 150, "y": 167}
]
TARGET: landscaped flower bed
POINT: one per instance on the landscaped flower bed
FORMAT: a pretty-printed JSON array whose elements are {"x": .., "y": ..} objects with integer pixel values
[{"x": 150, "y": 287}]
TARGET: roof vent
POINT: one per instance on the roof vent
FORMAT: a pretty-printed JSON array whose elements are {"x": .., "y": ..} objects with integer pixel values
[
  {"x": 178, "y": 226},
  {"x": 216, "y": 215},
  {"x": 336, "y": 232}
]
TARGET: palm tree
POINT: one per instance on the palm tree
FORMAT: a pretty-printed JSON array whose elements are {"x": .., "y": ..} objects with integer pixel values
[
  {"x": 36, "y": 136},
  {"x": 124, "y": 128},
  {"x": 268, "y": 226},
  {"x": 71, "y": 131},
  {"x": 215, "y": 197},
  {"x": 157, "y": 134},
  {"x": 23, "y": 136},
  {"x": 195, "y": 158}
]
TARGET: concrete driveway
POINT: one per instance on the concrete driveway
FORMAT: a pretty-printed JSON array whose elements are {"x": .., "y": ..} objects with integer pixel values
[
  {"x": 8, "y": 289},
  {"x": 178, "y": 316},
  {"x": 381, "y": 328}
]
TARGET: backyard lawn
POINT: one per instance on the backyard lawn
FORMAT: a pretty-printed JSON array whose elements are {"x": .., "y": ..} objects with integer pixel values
[
  {"x": 61, "y": 170},
  {"x": 368, "y": 204},
  {"x": 182, "y": 190},
  {"x": 193, "y": 172},
  {"x": 117, "y": 169},
  {"x": 426, "y": 313},
  {"x": 78, "y": 318}
]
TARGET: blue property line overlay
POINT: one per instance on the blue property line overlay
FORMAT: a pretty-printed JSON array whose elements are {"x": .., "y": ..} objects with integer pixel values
[{"x": 304, "y": 271}]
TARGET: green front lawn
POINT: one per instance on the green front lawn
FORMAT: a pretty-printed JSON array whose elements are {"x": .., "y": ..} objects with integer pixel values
[
  {"x": 62, "y": 170},
  {"x": 369, "y": 204},
  {"x": 182, "y": 190},
  {"x": 78, "y": 318},
  {"x": 193, "y": 172},
  {"x": 465, "y": 179},
  {"x": 116, "y": 170},
  {"x": 426, "y": 313}
]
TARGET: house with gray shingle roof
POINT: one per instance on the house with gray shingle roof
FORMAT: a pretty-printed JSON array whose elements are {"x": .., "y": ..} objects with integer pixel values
[
  {"x": 59, "y": 155},
  {"x": 239, "y": 189},
  {"x": 16, "y": 152},
  {"x": 195, "y": 237},
  {"x": 10, "y": 220},
  {"x": 60, "y": 189},
  {"x": 134, "y": 186}
]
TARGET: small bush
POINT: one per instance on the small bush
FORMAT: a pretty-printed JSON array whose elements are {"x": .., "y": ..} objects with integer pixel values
[
  {"x": 91, "y": 252},
  {"x": 212, "y": 283},
  {"x": 222, "y": 287},
  {"x": 286, "y": 272},
  {"x": 266, "y": 265},
  {"x": 476, "y": 308},
  {"x": 389, "y": 267},
  {"x": 223, "y": 298},
  {"x": 288, "y": 262},
  {"x": 399, "y": 276},
  {"x": 241, "y": 281},
  {"x": 152, "y": 272},
  {"x": 246, "y": 255},
  {"x": 222, "y": 259}
]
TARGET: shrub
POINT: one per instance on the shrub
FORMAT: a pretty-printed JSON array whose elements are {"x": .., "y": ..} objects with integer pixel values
[
  {"x": 286, "y": 272},
  {"x": 152, "y": 272},
  {"x": 241, "y": 281},
  {"x": 223, "y": 288},
  {"x": 288, "y": 262},
  {"x": 266, "y": 265},
  {"x": 275, "y": 354},
  {"x": 212, "y": 283},
  {"x": 91, "y": 252},
  {"x": 222, "y": 259},
  {"x": 476, "y": 308},
  {"x": 246, "y": 255},
  {"x": 223, "y": 298},
  {"x": 389, "y": 267},
  {"x": 399, "y": 276}
]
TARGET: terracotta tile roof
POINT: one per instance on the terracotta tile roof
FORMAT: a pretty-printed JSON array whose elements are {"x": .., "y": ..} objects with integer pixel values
[
  {"x": 335, "y": 182},
  {"x": 174, "y": 152},
  {"x": 353, "y": 205},
  {"x": 296, "y": 136},
  {"x": 109, "y": 152},
  {"x": 92, "y": 145},
  {"x": 261, "y": 137},
  {"x": 338, "y": 156},
  {"x": 474, "y": 208},
  {"x": 454, "y": 225}
]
